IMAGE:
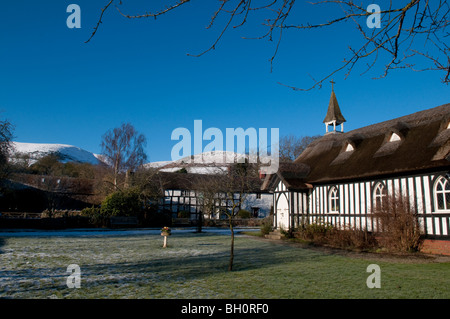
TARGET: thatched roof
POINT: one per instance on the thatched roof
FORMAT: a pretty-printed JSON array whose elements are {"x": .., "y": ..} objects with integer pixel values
[{"x": 424, "y": 145}]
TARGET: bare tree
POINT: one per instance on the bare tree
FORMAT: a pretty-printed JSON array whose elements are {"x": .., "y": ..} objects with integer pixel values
[
  {"x": 153, "y": 183},
  {"x": 6, "y": 136},
  {"x": 123, "y": 149},
  {"x": 411, "y": 33},
  {"x": 241, "y": 180},
  {"x": 208, "y": 189},
  {"x": 292, "y": 146},
  {"x": 207, "y": 197}
]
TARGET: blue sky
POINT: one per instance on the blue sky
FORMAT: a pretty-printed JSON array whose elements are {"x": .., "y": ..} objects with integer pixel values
[{"x": 57, "y": 89}]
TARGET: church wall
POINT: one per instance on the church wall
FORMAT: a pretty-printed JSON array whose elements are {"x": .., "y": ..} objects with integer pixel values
[
  {"x": 356, "y": 203},
  {"x": 282, "y": 211}
]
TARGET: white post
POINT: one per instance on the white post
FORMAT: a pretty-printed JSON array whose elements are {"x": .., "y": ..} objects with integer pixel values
[{"x": 165, "y": 242}]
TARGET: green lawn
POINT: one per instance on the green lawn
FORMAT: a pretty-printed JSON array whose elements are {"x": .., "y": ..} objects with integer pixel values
[{"x": 195, "y": 266}]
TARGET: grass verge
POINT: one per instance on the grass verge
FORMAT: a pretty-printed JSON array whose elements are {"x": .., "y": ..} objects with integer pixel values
[{"x": 195, "y": 266}]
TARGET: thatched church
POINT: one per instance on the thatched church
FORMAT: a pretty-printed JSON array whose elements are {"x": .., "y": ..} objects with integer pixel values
[{"x": 341, "y": 177}]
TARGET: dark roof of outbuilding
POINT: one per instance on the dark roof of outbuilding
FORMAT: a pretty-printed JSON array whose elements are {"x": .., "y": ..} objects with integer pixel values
[
  {"x": 188, "y": 181},
  {"x": 291, "y": 174}
]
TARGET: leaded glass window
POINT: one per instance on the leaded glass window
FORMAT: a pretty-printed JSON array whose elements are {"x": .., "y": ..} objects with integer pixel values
[
  {"x": 334, "y": 200},
  {"x": 379, "y": 195},
  {"x": 442, "y": 194}
]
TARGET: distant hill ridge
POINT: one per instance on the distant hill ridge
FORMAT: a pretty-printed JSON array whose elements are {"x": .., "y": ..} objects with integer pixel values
[
  {"x": 214, "y": 162},
  {"x": 66, "y": 153}
]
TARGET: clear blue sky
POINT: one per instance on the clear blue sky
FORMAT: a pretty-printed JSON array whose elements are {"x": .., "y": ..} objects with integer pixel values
[{"x": 57, "y": 89}]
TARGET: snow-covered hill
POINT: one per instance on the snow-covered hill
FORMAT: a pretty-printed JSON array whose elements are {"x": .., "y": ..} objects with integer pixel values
[
  {"x": 66, "y": 153},
  {"x": 216, "y": 162}
]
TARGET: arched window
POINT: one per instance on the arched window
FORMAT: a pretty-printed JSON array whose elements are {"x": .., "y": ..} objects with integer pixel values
[
  {"x": 333, "y": 197},
  {"x": 379, "y": 195},
  {"x": 442, "y": 194}
]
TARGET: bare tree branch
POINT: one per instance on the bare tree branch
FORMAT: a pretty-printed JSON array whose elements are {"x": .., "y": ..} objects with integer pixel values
[
  {"x": 407, "y": 29},
  {"x": 99, "y": 21},
  {"x": 155, "y": 14}
]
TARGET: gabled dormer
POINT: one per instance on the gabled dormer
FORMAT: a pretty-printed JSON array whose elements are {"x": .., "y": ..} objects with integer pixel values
[
  {"x": 393, "y": 138},
  {"x": 442, "y": 140},
  {"x": 353, "y": 142},
  {"x": 349, "y": 146},
  {"x": 443, "y": 133}
]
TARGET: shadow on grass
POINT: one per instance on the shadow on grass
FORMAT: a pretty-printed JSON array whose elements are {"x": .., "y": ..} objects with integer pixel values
[
  {"x": 2, "y": 243},
  {"x": 172, "y": 268}
]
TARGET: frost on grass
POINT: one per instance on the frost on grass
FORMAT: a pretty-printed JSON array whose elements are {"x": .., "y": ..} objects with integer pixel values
[
  {"x": 134, "y": 265},
  {"x": 111, "y": 267}
]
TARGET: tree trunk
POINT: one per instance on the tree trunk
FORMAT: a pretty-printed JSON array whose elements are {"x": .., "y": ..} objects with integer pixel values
[
  {"x": 199, "y": 222},
  {"x": 230, "y": 266},
  {"x": 116, "y": 171}
]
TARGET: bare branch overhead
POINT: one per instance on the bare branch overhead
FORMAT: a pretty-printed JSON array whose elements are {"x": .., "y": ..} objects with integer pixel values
[{"x": 411, "y": 31}]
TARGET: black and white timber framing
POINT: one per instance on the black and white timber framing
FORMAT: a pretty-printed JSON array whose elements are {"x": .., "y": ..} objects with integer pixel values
[
  {"x": 185, "y": 200},
  {"x": 340, "y": 177},
  {"x": 357, "y": 202}
]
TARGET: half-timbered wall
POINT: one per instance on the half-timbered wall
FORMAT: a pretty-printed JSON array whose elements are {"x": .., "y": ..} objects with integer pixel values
[
  {"x": 176, "y": 201},
  {"x": 356, "y": 202},
  {"x": 186, "y": 200}
]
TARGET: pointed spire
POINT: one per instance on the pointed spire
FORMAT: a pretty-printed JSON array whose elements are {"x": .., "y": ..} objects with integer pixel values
[{"x": 334, "y": 115}]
